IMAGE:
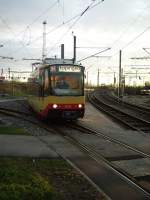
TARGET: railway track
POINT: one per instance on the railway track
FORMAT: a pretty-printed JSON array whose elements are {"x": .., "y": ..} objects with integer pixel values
[
  {"x": 129, "y": 120},
  {"x": 108, "y": 170},
  {"x": 143, "y": 111},
  {"x": 19, "y": 115},
  {"x": 144, "y": 152},
  {"x": 139, "y": 108},
  {"x": 8, "y": 110},
  {"x": 95, "y": 167}
]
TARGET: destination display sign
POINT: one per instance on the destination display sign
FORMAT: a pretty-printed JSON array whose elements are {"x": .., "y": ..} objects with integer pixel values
[{"x": 66, "y": 68}]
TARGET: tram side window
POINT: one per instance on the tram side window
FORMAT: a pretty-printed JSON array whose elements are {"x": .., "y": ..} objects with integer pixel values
[{"x": 46, "y": 82}]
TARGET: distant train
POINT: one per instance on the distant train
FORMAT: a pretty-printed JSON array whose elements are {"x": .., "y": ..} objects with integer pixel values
[{"x": 56, "y": 89}]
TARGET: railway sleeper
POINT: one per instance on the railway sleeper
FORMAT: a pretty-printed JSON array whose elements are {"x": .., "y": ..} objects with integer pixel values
[{"x": 144, "y": 181}]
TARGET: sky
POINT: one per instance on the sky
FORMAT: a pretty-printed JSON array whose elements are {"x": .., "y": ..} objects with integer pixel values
[{"x": 116, "y": 24}]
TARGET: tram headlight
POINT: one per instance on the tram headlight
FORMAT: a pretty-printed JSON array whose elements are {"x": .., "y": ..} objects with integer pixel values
[
  {"x": 79, "y": 105},
  {"x": 55, "y": 106}
]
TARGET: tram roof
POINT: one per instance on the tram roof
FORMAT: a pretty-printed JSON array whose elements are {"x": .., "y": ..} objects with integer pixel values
[{"x": 57, "y": 61}]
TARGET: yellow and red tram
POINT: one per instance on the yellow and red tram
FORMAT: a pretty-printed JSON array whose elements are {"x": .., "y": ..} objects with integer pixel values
[{"x": 56, "y": 89}]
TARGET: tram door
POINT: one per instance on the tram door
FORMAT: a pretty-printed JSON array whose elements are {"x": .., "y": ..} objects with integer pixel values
[
  {"x": 44, "y": 85},
  {"x": 41, "y": 83}
]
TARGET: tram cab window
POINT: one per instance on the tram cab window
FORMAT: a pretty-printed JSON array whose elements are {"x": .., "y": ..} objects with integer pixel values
[
  {"x": 67, "y": 84},
  {"x": 62, "y": 84}
]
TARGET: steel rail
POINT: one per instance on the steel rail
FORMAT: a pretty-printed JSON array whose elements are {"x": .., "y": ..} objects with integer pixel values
[
  {"x": 104, "y": 164},
  {"x": 46, "y": 127},
  {"x": 123, "y": 117},
  {"x": 66, "y": 158},
  {"x": 120, "y": 101},
  {"x": 91, "y": 159},
  {"x": 88, "y": 130},
  {"x": 14, "y": 111}
]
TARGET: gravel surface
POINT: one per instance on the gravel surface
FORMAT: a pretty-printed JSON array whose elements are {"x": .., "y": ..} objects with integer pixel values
[
  {"x": 93, "y": 119},
  {"x": 142, "y": 100},
  {"x": 19, "y": 104}
]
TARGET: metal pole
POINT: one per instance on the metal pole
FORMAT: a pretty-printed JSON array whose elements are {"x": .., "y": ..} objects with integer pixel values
[
  {"x": 9, "y": 73},
  {"x": 74, "y": 49},
  {"x": 12, "y": 84},
  {"x": 62, "y": 51},
  {"x": 2, "y": 72},
  {"x": 122, "y": 83},
  {"x": 44, "y": 41},
  {"x": 87, "y": 79},
  {"x": 119, "y": 88},
  {"x": 136, "y": 74},
  {"x": 114, "y": 79},
  {"x": 98, "y": 78}
]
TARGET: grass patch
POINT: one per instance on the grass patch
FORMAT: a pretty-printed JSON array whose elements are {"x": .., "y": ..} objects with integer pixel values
[
  {"x": 10, "y": 130},
  {"x": 42, "y": 179},
  {"x": 19, "y": 179}
]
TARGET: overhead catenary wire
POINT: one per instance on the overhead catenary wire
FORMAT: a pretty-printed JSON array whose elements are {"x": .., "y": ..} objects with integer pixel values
[
  {"x": 89, "y": 47},
  {"x": 70, "y": 27},
  {"x": 130, "y": 25},
  {"x": 90, "y": 6},
  {"x": 55, "y": 28},
  {"x": 122, "y": 34},
  {"x": 124, "y": 31},
  {"x": 27, "y": 27},
  {"x": 133, "y": 40},
  {"x": 10, "y": 29},
  {"x": 94, "y": 54},
  {"x": 145, "y": 49},
  {"x": 24, "y": 36},
  {"x": 35, "y": 20},
  {"x": 51, "y": 31},
  {"x": 44, "y": 12}
]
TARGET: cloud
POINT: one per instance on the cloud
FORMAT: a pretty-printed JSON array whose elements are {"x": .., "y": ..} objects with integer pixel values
[{"x": 101, "y": 26}]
